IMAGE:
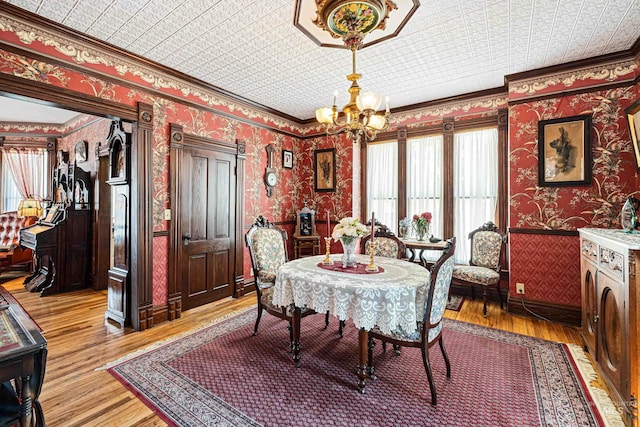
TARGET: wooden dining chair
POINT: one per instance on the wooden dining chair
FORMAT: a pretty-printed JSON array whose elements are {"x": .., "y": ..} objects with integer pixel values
[
  {"x": 267, "y": 245},
  {"x": 428, "y": 330},
  {"x": 387, "y": 243},
  {"x": 484, "y": 263}
]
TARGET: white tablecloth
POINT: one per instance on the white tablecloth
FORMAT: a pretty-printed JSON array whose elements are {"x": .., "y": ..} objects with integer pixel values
[{"x": 388, "y": 299}]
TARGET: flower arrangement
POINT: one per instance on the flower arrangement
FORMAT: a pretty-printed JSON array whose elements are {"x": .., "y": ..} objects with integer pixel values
[
  {"x": 421, "y": 224},
  {"x": 348, "y": 229},
  {"x": 405, "y": 222}
]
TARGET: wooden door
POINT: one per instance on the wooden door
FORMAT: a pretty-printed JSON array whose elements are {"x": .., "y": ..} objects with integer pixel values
[
  {"x": 207, "y": 215},
  {"x": 613, "y": 332},
  {"x": 589, "y": 304}
]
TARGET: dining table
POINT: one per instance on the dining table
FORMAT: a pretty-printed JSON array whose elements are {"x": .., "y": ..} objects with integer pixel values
[{"x": 389, "y": 298}]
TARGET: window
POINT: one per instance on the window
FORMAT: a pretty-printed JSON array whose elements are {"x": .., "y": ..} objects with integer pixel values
[
  {"x": 475, "y": 184},
  {"x": 382, "y": 183},
  {"x": 10, "y": 195},
  {"x": 456, "y": 174},
  {"x": 424, "y": 179},
  {"x": 34, "y": 162}
]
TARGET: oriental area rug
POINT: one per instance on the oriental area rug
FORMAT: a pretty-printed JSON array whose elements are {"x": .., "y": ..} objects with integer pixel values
[{"x": 222, "y": 375}]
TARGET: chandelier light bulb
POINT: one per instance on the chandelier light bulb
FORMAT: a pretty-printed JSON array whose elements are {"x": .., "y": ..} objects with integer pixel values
[
  {"x": 324, "y": 115},
  {"x": 377, "y": 122},
  {"x": 368, "y": 101}
]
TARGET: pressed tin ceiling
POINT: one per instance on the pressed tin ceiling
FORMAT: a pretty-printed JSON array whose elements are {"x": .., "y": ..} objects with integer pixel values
[{"x": 448, "y": 47}]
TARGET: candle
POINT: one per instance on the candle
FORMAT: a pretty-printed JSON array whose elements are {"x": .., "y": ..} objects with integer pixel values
[
  {"x": 328, "y": 227},
  {"x": 387, "y": 102},
  {"x": 335, "y": 97},
  {"x": 373, "y": 222}
]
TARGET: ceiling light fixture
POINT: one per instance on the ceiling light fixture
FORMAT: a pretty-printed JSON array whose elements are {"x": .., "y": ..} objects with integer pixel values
[{"x": 352, "y": 21}]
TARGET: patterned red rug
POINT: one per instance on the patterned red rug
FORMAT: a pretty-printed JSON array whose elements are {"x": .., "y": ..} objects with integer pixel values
[{"x": 222, "y": 375}]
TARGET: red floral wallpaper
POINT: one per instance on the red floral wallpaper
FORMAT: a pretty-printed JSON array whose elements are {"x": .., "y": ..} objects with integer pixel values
[
  {"x": 94, "y": 133},
  {"x": 566, "y": 208}
]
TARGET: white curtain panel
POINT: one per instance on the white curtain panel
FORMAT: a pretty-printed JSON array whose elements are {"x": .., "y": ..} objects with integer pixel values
[
  {"x": 475, "y": 184},
  {"x": 382, "y": 183},
  {"x": 424, "y": 180},
  {"x": 27, "y": 170}
]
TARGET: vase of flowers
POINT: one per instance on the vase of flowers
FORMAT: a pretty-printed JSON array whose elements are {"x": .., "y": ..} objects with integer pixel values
[
  {"x": 403, "y": 230},
  {"x": 348, "y": 231},
  {"x": 421, "y": 225}
]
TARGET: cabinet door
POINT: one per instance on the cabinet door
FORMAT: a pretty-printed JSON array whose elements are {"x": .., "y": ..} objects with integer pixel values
[
  {"x": 612, "y": 353},
  {"x": 589, "y": 305}
]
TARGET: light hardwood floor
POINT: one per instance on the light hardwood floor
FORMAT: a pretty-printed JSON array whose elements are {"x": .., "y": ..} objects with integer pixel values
[{"x": 80, "y": 340}]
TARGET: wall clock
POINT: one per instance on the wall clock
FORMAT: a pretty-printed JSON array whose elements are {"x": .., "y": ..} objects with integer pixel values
[{"x": 270, "y": 178}]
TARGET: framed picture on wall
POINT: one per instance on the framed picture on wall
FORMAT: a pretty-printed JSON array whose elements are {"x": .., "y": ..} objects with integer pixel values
[
  {"x": 324, "y": 168},
  {"x": 80, "y": 151},
  {"x": 633, "y": 119},
  {"x": 287, "y": 159},
  {"x": 564, "y": 152}
]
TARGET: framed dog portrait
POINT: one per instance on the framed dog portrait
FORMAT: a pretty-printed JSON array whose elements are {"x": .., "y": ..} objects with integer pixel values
[
  {"x": 324, "y": 167},
  {"x": 633, "y": 119},
  {"x": 564, "y": 152}
]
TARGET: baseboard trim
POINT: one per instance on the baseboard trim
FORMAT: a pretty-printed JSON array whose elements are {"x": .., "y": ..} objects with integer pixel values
[{"x": 565, "y": 314}]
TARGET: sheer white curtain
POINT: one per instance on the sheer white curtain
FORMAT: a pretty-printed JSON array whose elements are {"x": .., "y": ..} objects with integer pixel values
[
  {"x": 10, "y": 195},
  {"x": 424, "y": 179},
  {"x": 382, "y": 183},
  {"x": 27, "y": 170},
  {"x": 475, "y": 184}
]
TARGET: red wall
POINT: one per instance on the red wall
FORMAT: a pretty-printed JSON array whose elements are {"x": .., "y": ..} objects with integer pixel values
[{"x": 549, "y": 265}]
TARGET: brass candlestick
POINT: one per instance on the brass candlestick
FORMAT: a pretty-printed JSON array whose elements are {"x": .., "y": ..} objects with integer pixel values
[
  {"x": 327, "y": 260},
  {"x": 371, "y": 266}
]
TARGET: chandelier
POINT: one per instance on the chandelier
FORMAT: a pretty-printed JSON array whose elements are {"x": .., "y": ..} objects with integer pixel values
[{"x": 352, "y": 20}]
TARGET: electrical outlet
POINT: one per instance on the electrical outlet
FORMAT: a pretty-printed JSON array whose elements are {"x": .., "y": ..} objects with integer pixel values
[
  {"x": 520, "y": 288},
  {"x": 167, "y": 214}
]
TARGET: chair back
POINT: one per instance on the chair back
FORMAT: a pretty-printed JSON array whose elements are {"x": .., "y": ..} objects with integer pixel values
[
  {"x": 441, "y": 274},
  {"x": 267, "y": 249},
  {"x": 486, "y": 246},
  {"x": 387, "y": 243}
]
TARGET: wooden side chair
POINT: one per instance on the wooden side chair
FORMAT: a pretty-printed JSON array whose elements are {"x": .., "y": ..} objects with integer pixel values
[
  {"x": 387, "y": 243},
  {"x": 429, "y": 327},
  {"x": 268, "y": 251},
  {"x": 484, "y": 265}
]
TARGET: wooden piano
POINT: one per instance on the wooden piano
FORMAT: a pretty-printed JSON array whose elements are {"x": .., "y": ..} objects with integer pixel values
[{"x": 61, "y": 241}]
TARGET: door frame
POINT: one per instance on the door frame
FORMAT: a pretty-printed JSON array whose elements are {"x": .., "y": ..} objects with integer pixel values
[
  {"x": 178, "y": 140},
  {"x": 141, "y": 118}
]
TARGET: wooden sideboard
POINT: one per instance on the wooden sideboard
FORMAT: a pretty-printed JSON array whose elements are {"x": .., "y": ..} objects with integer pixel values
[{"x": 610, "y": 310}]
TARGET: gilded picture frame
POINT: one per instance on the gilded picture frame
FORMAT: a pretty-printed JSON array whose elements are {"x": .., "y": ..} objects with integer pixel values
[
  {"x": 564, "y": 152},
  {"x": 633, "y": 120},
  {"x": 324, "y": 168}
]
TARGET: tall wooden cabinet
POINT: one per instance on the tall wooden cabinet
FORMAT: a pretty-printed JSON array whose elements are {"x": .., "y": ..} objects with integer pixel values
[{"x": 610, "y": 288}]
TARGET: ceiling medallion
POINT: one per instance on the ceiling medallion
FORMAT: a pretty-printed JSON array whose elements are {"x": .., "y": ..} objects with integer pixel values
[
  {"x": 342, "y": 23},
  {"x": 352, "y": 20}
]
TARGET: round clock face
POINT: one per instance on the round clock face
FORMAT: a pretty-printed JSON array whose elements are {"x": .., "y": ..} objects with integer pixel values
[{"x": 271, "y": 179}]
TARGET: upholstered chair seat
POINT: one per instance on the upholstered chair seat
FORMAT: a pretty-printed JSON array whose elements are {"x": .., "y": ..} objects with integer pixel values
[
  {"x": 475, "y": 274},
  {"x": 429, "y": 326}
]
